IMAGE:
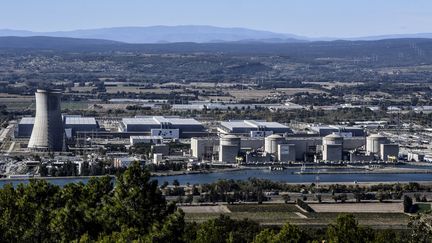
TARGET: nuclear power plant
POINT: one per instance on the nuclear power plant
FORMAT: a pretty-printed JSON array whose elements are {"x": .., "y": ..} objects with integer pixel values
[{"x": 47, "y": 133}]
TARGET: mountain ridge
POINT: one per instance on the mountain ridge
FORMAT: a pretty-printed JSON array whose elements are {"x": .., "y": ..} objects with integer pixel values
[{"x": 163, "y": 34}]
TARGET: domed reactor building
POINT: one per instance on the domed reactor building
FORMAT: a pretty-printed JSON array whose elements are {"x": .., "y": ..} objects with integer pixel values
[{"x": 47, "y": 133}]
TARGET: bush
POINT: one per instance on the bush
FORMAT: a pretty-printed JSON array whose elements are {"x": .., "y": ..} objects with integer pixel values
[{"x": 304, "y": 206}]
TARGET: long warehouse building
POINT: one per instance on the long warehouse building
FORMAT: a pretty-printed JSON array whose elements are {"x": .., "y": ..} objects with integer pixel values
[{"x": 166, "y": 127}]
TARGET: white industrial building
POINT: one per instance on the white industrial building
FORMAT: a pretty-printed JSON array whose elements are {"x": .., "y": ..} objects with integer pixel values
[
  {"x": 78, "y": 124},
  {"x": 166, "y": 127},
  {"x": 134, "y": 140},
  {"x": 280, "y": 148},
  {"x": 24, "y": 127},
  {"x": 71, "y": 123},
  {"x": 344, "y": 131},
  {"x": 253, "y": 128}
]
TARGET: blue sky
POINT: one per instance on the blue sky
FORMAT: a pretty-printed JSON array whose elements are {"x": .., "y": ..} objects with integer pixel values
[{"x": 315, "y": 18}]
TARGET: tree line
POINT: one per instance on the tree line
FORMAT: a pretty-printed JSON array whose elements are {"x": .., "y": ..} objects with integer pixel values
[{"x": 132, "y": 208}]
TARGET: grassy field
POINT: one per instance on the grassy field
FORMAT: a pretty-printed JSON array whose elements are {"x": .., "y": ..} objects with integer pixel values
[
  {"x": 292, "y": 91},
  {"x": 17, "y": 102},
  {"x": 358, "y": 208},
  {"x": 75, "y": 105},
  {"x": 134, "y": 89},
  {"x": 423, "y": 207},
  {"x": 277, "y": 214}
]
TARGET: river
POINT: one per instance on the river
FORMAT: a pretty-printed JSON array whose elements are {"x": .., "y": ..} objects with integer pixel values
[{"x": 286, "y": 175}]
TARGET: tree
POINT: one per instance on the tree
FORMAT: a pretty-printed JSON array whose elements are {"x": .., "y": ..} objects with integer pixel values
[
  {"x": 189, "y": 199},
  {"x": 290, "y": 233},
  {"x": 346, "y": 229},
  {"x": 171, "y": 230},
  {"x": 420, "y": 226},
  {"x": 407, "y": 204},
  {"x": 224, "y": 229},
  {"x": 43, "y": 170},
  {"x": 286, "y": 198},
  {"x": 176, "y": 183},
  {"x": 136, "y": 203},
  {"x": 265, "y": 236}
]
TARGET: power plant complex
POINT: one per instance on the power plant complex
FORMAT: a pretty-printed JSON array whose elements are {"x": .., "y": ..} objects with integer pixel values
[{"x": 220, "y": 142}]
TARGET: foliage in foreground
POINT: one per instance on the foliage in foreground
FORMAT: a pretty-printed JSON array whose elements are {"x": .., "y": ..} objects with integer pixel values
[{"x": 135, "y": 210}]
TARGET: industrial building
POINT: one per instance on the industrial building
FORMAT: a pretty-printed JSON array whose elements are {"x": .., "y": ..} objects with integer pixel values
[
  {"x": 78, "y": 124},
  {"x": 389, "y": 152},
  {"x": 229, "y": 148},
  {"x": 71, "y": 123},
  {"x": 47, "y": 133},
  {"x": 134, "y": 140},
  {"x": 253, "y": 128},
  {"x": 25, "y": 127},
  {"x": 208, "y": 148},
  {"x": 278, "y": 148},
  {"x": 166, "y": 127},
  {"x": 342, "y": 130},
  {"x": 332, "y": 147}
]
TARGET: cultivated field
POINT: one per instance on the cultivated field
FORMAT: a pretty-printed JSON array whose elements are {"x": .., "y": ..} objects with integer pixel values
[
  {"x": 278, "y": 214},
  {"x": 206, "y": 209},
  {"x": 293, "y": 91},
  {"x": 137, "y": 90},
  {"x": 358, "y": 208}
]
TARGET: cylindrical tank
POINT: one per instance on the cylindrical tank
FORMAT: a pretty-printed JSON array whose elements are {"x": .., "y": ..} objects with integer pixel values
[
  {"x": 47, "y": 134},
  {"x": 229, "y": 148},
  {"x": 271, "y": 143},
  {"x": 373, "y": 143},
  {"x": 333, "y": 139},
  {"x": 230, "y": 140}
]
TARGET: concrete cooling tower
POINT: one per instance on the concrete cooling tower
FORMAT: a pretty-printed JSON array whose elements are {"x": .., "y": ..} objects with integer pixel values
[{"x": 47, "y": 134}]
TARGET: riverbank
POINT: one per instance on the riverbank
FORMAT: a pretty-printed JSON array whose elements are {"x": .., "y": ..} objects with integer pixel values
[
  {"x": 53, "y": 178},
  {"x": 369, "y": 171},
  {"x": 184, "y": 172},
  {"x": 337, "y": 169}
]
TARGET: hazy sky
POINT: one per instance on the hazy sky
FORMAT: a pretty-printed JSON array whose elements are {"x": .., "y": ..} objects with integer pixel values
[{"x": 336, "y": 18}]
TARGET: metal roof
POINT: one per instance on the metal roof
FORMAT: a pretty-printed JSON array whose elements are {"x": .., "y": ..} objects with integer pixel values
[
  {"x": 157, "y": 120},
  {"x": 80, "y": 121},
  {"x": 252, "y": 124},
  {"x": 27, "y": 120},
  {"x": 146, "y": 137}
]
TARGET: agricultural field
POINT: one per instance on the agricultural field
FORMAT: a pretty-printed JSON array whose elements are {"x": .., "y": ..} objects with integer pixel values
[
  {"x": 251, "y": 94},
  {"x": 277, "y": 214},
  {"x": 293, "y": 91},
  {"x": 358, "y": 207},
  {"x": 75, "y": 105},
  {"x": 137, "y": 90},
  {"x": 17, "y": 102}
]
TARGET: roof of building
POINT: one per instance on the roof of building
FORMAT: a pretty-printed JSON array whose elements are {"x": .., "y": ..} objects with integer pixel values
[
  {"x": 80, "y": 121},
  {"x": 27, "y": 120},
  {"x": 157, "y": 120},
  {"x": 146, "y": 137},
  {"x": 252, "y": 124}
]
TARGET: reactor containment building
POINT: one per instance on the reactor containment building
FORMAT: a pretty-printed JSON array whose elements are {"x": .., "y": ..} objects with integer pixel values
[{"x": 47, "y": 133}]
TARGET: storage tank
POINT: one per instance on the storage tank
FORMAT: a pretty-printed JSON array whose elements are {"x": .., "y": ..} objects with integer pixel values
[
  {"x": 229, "y": 148},
  {"x": 333, "y": 139},
  {"x": 373, "y": 143},
  {"x": 47, "y": 133},
  {"x": 271, "y": 143}
]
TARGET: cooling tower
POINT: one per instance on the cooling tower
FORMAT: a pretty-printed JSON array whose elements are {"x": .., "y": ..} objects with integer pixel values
[{"x": 47, "y": 134}]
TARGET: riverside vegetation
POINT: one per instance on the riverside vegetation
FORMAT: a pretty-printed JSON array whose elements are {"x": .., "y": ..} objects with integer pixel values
[{"x": 134, "y": 209}]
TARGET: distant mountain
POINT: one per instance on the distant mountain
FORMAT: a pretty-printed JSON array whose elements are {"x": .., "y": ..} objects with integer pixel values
[
  {"x": 396, "y": 36},
  {"x": 55, "y": 43},
  {"x": 193, "y": 33},
  {"x": 166, "y": 34}
]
